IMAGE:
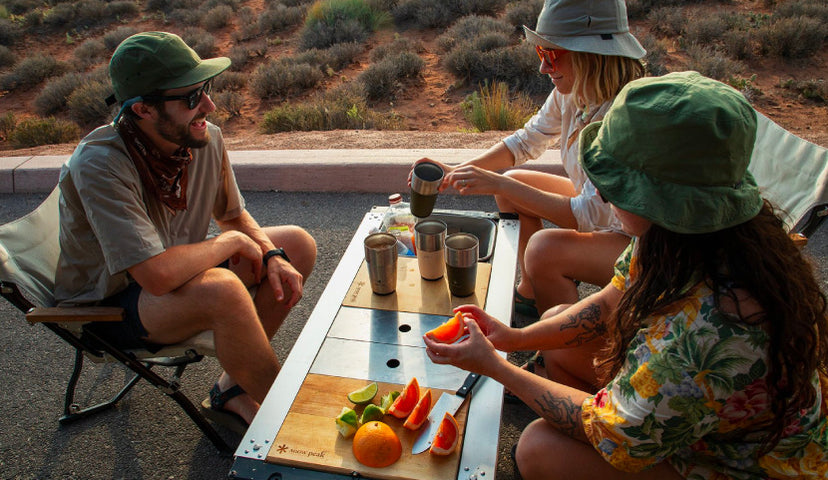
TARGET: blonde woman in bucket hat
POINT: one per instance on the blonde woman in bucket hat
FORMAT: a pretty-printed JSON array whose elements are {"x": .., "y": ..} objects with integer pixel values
[
  {"x": 589, "y": 54},
  {"x": 716, "y": 359}
]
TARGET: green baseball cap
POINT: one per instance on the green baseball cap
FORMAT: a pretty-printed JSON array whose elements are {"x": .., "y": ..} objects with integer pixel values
[
  {"x": 150, "y": 61},
  {"x": 675, "y": 150}
]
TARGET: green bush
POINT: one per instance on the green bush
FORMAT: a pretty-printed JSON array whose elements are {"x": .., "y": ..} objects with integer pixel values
[
  {"x": 87, "y": 105},
  {"x": 91, "y": 52},
  {"x": 523, "y": 13},
  {"x": 32, "y": 132},
  {"x": 746, "y": 86},
  {"x": 667, "y": 21},
  {"x": 813, "y": 89},
  {"x": 400, "y": 44},
  {"x": 21, "y": 7},
  {"x": 114, "y": 38},
  {"x": 200, "y": 40},
  {"x": 441, "y": 13},
  {"x": 339, "y": 21},
  {"x": 710, "y": 62},
  {"x": 9, "y": 32},
  {"x": 7, "y": 124},
  {"x": 382, "y": 79},
  {"x": 335, "y": 58},
  {"x": 793, "y": 37},
  {"x": 279, "y": 17},
  {"x": 230, "y": 81},
  {"x": 31, "y": 71},
  {"x": 121, "y": 9},
  {"x": 491, "y": 108},
  {"x": 278, "y": 78},
  {"x": 738, "y": 44},
  {"x": 229, "y": 102},
  {"x": 7, "y": 57},
  {"x": 816, "y": 9},
  {"x": 656, "y": 56},
  {"x": 217, "y": 17},
  {"x": 61, "y": 16},
  {"x": 52, "y": 98},
  {"x": 90, "y": 13},
  {"x": 471, "y": 27}
]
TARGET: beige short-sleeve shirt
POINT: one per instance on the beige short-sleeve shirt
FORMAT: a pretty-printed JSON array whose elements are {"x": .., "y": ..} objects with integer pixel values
[{"x": 108, "y": 223}]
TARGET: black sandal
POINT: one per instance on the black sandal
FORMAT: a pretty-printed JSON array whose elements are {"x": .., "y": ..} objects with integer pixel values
[
  {"x": 536, "y": 359},
  {"x": 213, "y": 408},
  {"x": 526, "y": 306}
]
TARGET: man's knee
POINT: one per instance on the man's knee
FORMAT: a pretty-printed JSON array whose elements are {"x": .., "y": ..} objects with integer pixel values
[{"x": 299, "y": 245}]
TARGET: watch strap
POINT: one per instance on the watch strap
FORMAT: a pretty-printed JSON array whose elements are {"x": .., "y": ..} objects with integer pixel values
[{"x": 273, "y": 253}]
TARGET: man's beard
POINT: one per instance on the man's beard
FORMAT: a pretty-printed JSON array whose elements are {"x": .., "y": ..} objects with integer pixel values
[{"x": 177, "y": 133}]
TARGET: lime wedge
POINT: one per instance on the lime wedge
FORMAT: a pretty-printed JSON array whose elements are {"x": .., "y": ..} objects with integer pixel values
[
  {"x": 388, "y": 399},
  {"x": 364, "y": 394},
  {"x": 371, "y": 413},
  {"x": 346, "y": 422}
]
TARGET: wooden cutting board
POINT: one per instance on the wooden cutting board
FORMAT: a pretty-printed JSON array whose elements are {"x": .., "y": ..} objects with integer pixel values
[
  {"x": 413, "y": 294},
  {"x": 309, "y": 438}
]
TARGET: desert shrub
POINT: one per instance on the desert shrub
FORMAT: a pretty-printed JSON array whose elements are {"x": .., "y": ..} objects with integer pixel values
[
  {"x": 337, "y": 21},
  {"x": 667, "y": 21},
  {"x": 656, "y": 55},
  {"x": 492, "y": 108},
  {"x": 334, "y": 58},
  {"x": 61, "y": 15},
  {"x": 230, "y": 81},
  {"x": 295, "y": 3},
  {"x": 7, "y": 124},
  {"x": 471, "y": 27},
  {"x": 32, "y": 132},
  {"x": 746, "y": 86},
  {"x": 278, "y": 18},
  {"x": 793, "y": 37},
  {"x": 710, "y": 62},
  {"x": 217, "y": 17},
  {"x": 21, "y": 7},
  {"x": 738, "y": 44},
  {"x": 817, "y": 9},
  {"x": 121, "y": 9},
  {"x": 382, "y": 79},
  {"x": 31, "y": 71},
  {"x": 230, "y": 102},
  {"x": 704, "y": 30},
  {"x": 3, "y": 12},
  {"x": 813, "y": 89},
  {"x": 210, "y": 4},
  {"x": 640, "y": 9},
  {"x": 441, "y": 13},
  {"x": 87, "y": 105},
  {"x": 9, "y": 32},
  {"x": 114, "y": 38},
  {"x": 185, "y": 16},
  {"x": 91, "y": 52},
  {"x": 281, "y": 77},
  {"x": 523, "y": 13},
  {"x": 52, "y": 98},
  {"x": 400, "y": 44},
  {"x": 33, "y": 19},
  {"x": 7, "y": 57},
  {"x": 90, "y": 13},
  {"x": 200, "y": 40}
]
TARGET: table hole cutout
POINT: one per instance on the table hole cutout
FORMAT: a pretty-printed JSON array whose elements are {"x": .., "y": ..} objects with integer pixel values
[
  {"x": 405, "y": 328},
  {"x": 393, "y": 363}
]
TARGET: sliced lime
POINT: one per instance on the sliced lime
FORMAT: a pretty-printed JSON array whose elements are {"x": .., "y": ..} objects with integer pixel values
[
  {"x": 364, "y": 394},
  {"x": 346, "y": 422},
  {"x": 388, "y": 399},
  {"x": 371, "y": 413}
]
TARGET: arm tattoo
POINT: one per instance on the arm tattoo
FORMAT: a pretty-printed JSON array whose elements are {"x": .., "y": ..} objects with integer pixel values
[
  {"x": 588, "y": 321},
  {"x": 562, "y": 413}
]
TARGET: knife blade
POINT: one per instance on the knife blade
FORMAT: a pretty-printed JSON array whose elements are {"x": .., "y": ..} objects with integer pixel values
[{"x": 446, "y": 403}]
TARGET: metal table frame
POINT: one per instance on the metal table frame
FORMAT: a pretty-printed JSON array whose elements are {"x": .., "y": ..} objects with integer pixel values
[{"x": 479, "y": 453}]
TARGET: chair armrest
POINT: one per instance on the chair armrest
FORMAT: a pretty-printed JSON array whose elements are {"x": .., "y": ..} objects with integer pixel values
[{"x": 75, "y": 314}]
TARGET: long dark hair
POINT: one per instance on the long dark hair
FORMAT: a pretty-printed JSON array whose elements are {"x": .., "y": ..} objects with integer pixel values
[{"x": 756, "y": 256}]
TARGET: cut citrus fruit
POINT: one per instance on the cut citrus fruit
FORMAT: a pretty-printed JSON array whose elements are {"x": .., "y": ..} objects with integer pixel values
[
  {"x": 449, "y": 332},
  {"x": 388, "y": 399},
  {"x": 364, "y": 394},
  {"x": 447, "y": 437},
  {"x": 346, "y": 422},
  {"x": 407, "y": 400},
  {"x": 371, "y": 413},
  {"x": 418, "y": 416},
  {"x": 376, "y": 445}
]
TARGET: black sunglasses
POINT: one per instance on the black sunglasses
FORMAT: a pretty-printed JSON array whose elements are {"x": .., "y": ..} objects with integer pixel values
[{"x": 192, "y": 98}]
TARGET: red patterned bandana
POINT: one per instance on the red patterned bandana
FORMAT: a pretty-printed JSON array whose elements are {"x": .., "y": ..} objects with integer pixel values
[{"x": 163, "y": 176}]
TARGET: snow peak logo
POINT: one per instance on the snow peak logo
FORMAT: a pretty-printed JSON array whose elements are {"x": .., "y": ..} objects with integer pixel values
[{"x": 304, "y": 453}]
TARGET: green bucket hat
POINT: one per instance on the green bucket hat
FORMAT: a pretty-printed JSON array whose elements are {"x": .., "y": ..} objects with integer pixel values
[
  {"x": 675, "y": 150},
  {"x": 150, "y": 61}
]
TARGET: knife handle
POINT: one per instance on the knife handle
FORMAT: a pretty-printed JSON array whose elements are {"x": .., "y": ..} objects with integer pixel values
[{"x": 471, "y": 379}]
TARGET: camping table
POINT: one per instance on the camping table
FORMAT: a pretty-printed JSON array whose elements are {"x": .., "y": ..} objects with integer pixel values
[{"x": 339, "y": 340}]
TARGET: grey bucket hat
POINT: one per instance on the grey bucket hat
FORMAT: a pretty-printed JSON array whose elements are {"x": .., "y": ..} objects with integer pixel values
[{"x": 596, "y": 26}]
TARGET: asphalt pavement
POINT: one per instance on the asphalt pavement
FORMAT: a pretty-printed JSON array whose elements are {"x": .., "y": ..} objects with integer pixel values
[{"x": 147, "y": 436}]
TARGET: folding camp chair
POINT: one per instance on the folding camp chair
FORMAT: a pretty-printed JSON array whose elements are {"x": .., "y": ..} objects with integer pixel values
[
  {"x": 793, "y": 174},
  {"x": 29, "y": 251}
]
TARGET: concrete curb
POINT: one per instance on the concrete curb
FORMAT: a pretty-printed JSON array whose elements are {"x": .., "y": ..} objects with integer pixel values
[{"x": 363, "y": 171}]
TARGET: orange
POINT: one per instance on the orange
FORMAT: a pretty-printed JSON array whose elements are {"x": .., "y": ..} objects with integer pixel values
[
  {"x": 447, "y": 437},
  {"x": 449, "y": 332},
  {"x": 418, "y": 416},
  {"x": 376, "y": 445},
  {"x": 407, "y": 400}
]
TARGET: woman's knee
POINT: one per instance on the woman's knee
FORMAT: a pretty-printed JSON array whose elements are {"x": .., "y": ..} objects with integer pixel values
[{"x": 540, "y": 448}]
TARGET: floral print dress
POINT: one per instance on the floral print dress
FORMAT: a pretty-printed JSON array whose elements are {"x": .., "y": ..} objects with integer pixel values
[{"x": 693, "y": 392}]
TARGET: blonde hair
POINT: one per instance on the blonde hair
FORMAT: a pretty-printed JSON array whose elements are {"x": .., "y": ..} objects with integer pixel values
[{"x": 599, "y": 78}]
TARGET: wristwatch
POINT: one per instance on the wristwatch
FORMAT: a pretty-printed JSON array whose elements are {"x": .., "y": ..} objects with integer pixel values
[{"x": 275, "y": 252}]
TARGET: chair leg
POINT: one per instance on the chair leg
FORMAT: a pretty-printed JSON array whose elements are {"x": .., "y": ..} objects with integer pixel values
[{"x": 72, "y": 411}]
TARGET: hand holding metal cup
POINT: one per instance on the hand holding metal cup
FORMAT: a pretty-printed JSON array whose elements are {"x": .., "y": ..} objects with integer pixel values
[{"x": 426, "y": 178}]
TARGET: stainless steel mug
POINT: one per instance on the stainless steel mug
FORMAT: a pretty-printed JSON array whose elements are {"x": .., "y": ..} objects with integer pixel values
[
  {"x": 381, "y": 258},
  {"x": 461, "y": 263},
  {"x": 425, "y": 181},
  {"x": 429, "y": 236}
]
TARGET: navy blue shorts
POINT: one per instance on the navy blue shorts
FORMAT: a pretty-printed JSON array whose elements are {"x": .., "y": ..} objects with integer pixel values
[{"x": 130, "y": 333}]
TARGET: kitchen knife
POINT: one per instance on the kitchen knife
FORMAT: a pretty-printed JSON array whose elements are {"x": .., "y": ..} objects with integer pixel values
[{"x": 446, "y": 403}]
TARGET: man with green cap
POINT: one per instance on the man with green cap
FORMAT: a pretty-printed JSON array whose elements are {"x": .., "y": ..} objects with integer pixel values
[{"x": 137, "y": 199}]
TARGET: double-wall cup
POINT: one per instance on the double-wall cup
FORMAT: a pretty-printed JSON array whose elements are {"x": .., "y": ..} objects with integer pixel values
[
  {"x": 429, "y": 236},
  {"x": 425, "y": 182},
  {"x": 461, "y": 263},
  {"x": 381, "y": 258}
]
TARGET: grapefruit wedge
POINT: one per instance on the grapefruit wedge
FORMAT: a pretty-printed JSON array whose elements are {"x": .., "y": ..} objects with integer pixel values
[
  {"x": 418, "y": 416},
  {"x": 449, "y": 332},
  {"x": 407, "y": 400},
  {"x": 447, "y": 437}
]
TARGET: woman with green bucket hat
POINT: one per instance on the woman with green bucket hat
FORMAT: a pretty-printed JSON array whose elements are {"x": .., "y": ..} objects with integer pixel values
[
  {"x": 715, "y": 358},
  {"x": 588, "y": 52}
]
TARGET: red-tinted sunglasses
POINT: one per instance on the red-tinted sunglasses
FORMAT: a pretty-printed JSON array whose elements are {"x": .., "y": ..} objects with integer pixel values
[{"x": 550, "y": 55}]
